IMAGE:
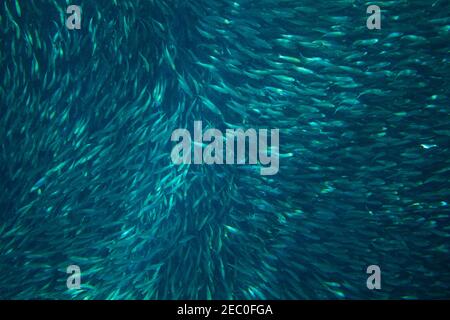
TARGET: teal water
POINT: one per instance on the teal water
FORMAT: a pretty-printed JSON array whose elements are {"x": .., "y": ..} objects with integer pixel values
[{"x": 86, "y": 176}]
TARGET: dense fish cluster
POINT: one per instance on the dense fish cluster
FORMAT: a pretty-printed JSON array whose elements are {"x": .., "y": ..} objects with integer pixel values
[{"x": 86, "y": 177}]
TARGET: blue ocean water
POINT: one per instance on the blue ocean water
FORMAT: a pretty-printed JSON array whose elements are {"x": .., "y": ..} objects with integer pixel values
[{"x": 87, "y": 179}]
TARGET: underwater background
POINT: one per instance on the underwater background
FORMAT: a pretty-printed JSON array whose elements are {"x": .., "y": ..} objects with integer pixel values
[{"x": 86, "y": 176}]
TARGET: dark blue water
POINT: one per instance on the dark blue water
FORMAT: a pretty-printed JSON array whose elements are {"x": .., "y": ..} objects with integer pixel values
[{"x": 86, "y": 176}]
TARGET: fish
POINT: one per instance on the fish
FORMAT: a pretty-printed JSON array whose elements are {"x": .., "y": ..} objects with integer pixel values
[{"x": 85, "y": 155}]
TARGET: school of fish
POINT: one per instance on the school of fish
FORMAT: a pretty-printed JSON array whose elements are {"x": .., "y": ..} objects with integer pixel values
[{"x": 85, "y": 171}]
